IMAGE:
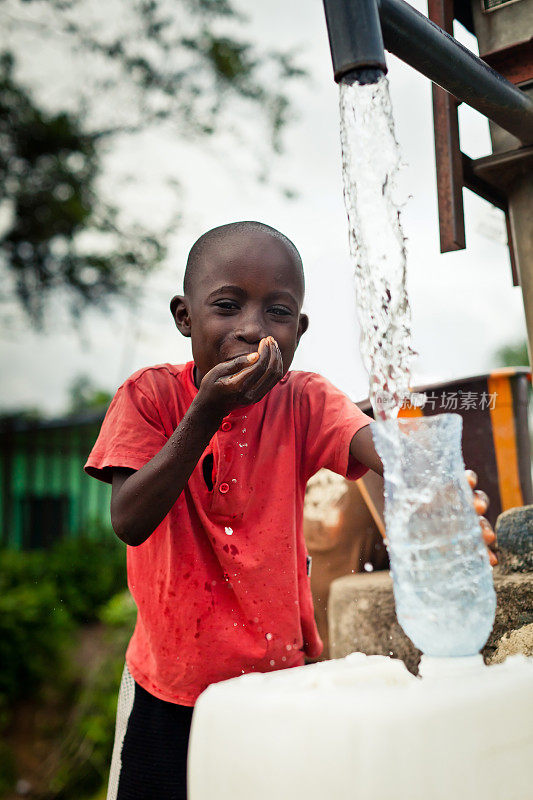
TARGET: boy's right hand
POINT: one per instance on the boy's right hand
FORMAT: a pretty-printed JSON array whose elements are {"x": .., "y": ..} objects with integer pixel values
[{"x": 243, "y": 380}]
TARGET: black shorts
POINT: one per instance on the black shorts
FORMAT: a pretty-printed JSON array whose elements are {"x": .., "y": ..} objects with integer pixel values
[{"x": 150, "y": 752}]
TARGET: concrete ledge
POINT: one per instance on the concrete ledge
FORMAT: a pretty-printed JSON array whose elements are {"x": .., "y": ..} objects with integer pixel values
[{"x": 362, "y": 617}]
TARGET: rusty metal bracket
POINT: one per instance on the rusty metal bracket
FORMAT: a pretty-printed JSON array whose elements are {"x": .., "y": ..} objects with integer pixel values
[
  {"x": 515, "y": 63},
  {"x": 491, "y": 177},
  {"x": 487, "y": 177}
]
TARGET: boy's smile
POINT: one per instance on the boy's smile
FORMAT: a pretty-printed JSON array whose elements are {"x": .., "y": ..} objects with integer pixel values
[{"x": 248, "y": 286}]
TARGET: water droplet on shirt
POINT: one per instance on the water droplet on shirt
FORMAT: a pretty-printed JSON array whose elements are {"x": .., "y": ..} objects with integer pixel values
[
  {"x": 272, "y": 662},
  {"x": 283, "y": 658},
  {"x": 229, "y": 531},
  {"x": 369, "y": 567},
  {"x": 289, "y": 647},
  {"x": 268, "y": 636}
]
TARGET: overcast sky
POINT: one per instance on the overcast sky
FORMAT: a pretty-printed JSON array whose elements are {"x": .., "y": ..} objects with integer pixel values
[{"x": 463, "y": 304}]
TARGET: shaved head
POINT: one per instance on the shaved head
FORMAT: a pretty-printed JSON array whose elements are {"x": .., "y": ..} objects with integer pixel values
[{"x": 215, "y": 236}]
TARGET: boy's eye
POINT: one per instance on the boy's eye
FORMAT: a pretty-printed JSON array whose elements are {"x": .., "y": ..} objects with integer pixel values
[
  {"x": 279, "y": 311},
  {"x": 227, "y": 305}
]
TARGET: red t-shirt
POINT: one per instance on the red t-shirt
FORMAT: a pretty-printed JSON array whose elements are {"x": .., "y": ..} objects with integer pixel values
[{"x": 221, "y": 585}]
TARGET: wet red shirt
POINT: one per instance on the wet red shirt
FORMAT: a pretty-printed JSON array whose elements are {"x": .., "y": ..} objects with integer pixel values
[{"x": 221, "y": 585}]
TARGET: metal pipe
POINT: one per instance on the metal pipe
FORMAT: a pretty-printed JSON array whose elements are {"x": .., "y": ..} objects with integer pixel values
[
  {"x": 356, "y": 41},
  {"x": 423, "y": 45},
  {"x": 355, "y": 37}
]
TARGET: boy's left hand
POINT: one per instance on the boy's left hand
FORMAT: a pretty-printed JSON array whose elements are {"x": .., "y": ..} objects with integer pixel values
[{"x": 481, "y": 503}]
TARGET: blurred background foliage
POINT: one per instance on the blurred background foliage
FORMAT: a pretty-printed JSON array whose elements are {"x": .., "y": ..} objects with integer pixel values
[
  {"x": 48, "y": 168},
  {"x": 65, "y": 619},
  {"x": 182, "y": 65},
  {"x": 85, "y": 395},
  {"x": 512, "y": 355}
]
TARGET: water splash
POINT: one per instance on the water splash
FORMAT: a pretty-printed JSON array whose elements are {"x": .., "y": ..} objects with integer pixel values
[{"x": 370, "y": 163}]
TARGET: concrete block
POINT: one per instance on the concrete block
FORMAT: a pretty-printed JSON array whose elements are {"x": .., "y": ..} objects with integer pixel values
[
  {"x": 514, "y": 529},
  {"x": 514, "y": 609},
  {"x": 362, "y": 617}
]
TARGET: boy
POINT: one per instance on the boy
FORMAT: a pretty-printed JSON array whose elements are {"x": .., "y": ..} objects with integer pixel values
[{"x": 208, "y": 463}]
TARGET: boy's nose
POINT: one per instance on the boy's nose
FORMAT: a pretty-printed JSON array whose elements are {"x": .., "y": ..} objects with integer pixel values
[{"x": 251, "y": 330}]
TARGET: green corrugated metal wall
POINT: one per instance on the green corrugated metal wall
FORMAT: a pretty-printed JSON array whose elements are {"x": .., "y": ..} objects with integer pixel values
[{"x": 44, "y": 492}]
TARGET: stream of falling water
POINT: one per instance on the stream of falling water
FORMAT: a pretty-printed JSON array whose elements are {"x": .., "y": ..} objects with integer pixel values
[
  {"x": 443, "y": 587},
  {"x": 370, "y": 163}
]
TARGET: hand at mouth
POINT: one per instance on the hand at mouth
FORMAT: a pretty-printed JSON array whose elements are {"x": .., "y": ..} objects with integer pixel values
[
  {"x": 243, "y": 379},
  {"x": 265, "y": 342},
  {"x": 239, "y": 354}
]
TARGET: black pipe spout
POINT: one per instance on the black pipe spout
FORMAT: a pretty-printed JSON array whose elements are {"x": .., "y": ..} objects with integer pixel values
[{"x": 355, "y": 39}]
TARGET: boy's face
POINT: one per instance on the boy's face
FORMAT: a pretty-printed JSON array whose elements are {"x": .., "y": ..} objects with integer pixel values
[{"x": 247, "y": 287}]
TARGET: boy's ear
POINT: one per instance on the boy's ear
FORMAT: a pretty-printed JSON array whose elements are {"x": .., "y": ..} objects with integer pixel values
[
  {"x": 303, "y": 324},
  {"x": 179, "y": 309}
]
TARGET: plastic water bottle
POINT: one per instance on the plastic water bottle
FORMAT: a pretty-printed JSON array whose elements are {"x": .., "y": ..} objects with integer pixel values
[{"x": 443, "y": 587}]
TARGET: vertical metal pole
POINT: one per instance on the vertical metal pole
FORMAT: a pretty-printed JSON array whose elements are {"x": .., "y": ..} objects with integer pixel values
[
  {"x": 448, "y": 161},
  {"x": 520, "y": 215}
]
